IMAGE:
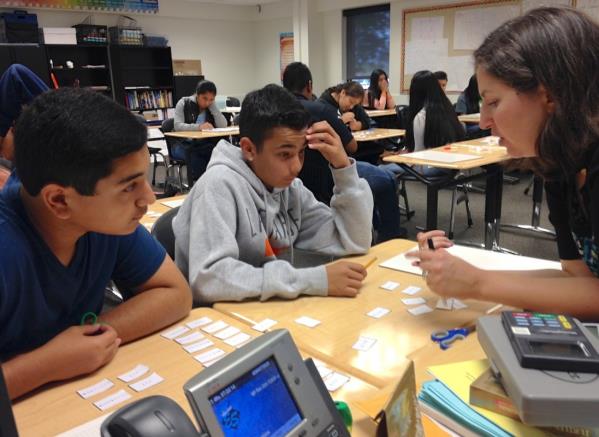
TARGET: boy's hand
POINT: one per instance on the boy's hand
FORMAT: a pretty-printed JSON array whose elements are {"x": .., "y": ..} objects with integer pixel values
[
  {"x": 345, "y": 278},
  {"x": 355, "y": 125},
  {"x": 80, "y": 349},
  {"x": 348, "y": 117},
  {"x": 322, "y": 137},
  {"x": 206, "y": 126}
]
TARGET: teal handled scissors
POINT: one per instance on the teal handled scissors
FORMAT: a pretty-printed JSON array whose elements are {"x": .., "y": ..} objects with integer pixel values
[{"x": 446, "y": 338}]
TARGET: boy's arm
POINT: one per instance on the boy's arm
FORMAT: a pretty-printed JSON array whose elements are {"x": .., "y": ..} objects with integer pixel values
[
  {"x": 180, "y": 124},
  {"x": 219, "y": 118},
  {"x": 345, "y": 227},
  {"x": 160, "y": 301}
]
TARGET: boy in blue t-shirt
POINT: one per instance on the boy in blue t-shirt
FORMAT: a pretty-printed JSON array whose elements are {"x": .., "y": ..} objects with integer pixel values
[{"x": 69, "y": 229}]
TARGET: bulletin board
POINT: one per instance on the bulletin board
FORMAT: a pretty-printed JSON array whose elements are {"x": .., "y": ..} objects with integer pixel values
[{"x": 445, "y": 37}]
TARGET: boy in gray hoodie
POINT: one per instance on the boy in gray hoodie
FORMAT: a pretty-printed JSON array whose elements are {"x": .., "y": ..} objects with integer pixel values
[{"x": 243, "y": 218}]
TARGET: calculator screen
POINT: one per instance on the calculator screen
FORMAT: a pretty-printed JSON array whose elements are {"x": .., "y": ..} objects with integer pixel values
[{"x": 560, "y": 349}]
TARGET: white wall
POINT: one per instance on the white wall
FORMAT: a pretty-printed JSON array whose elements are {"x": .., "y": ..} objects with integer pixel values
[{"x": 267, "y": 49}]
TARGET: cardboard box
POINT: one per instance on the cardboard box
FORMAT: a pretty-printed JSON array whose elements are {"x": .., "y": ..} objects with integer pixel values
[
  {"x": 187, "y": 67},
  {"x": 60, "y": 35}
]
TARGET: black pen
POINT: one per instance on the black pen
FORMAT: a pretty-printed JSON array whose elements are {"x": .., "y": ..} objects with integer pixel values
[
  {"x": 443, "y": 302},
  {"x": 431, "y": 246}
]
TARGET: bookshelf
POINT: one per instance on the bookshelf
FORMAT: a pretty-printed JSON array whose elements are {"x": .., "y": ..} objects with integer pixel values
[
  {"x": 90, "y": 66},
  {"x": 143, "y": 77}
]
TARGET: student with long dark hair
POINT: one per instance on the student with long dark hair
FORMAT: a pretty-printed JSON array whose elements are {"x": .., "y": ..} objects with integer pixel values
[
  {"x": 377, "y": 95},
  {"x": 469, "y": 99},
  {"x": 347, "y": 98},
  {"x": 541, "y": 98},
  {"x": 432, "y": 122}
]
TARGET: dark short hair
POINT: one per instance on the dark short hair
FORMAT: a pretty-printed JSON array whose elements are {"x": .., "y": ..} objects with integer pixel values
[
  {"x": 268, "y": 108},
  {"x": 555, "y": 48},
  {"x": 71, "y": 137},
  {"x": 205, "y": 86},
  {"x": 296, "y": 77},
  {"x": 351, "y": 88},
  {"x": 440, "y": 75}
]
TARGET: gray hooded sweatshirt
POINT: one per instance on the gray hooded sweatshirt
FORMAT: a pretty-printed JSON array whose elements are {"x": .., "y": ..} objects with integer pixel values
[{"x": 232, "y": 232}]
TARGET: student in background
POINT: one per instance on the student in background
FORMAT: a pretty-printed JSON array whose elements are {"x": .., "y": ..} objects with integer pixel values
[
  {"x": 441, "y": 77},
  {"x": 432, "y": 121},
  {"x": 70, "y": 227},
  {"x": 377, "y": 95},
  {"x": 297, "y": 78},
  {"x": 18, "y": 87},
  {"x": 469, "y": 99},
  {"x": 236, "y": 231},
  {"x": 197, "y": 112},
  {"x": 346, "y": 98},
  {"x": 540, "y": 97}
]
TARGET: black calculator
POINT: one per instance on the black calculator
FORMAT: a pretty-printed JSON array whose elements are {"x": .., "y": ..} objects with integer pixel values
[{"x": 550, "y": 342}]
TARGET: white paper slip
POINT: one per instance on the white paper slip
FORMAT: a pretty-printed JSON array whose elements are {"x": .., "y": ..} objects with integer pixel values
[
  {"x": 199, "y": 322},
  {"x": 458, "y": 304},
  {"x": 174, "y": 333},
  {"x": 364, "y": 343},
  {"x": 173, "y": 203},
  {"x": 194, "y": 336},
  {"x": 238, "y": 340},
  {"x": 88, "y": 429},
  {"x": 211, "y": 355},
  {"x": 413, "y": 300},
  {"x": 222, "y": 129},
  {"x": 419, "y": 310},
  {"x": 93, "y": 390},
  {"x": 323, "y": 370},
  {"x": 308, "y": 321},
  {"x": 411, "y": 290},
  {"x": 447, "y": 157},
  {"x": 210, "y": 363},
  {"x": 444, "y": 304},
  {"x": 335, "y": 381},
  {"x": 378, "y": 312},
  {"x": 213, "y": 327},
  {"x": 112, "y": 400},
  {"x": 196, "y": 347},
  {"x": 139, "y": 370},
  {"x": 148, "y": 382},
  {"x": 390, "y": 285},
  {"x": 226, "y": 333},
  {"x": 264, "y": 325}
]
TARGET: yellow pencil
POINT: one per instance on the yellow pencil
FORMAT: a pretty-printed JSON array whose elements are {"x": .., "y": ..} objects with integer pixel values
[{"x": 370, "y": 262}]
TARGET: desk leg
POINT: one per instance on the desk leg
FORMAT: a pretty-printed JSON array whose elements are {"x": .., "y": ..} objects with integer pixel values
[
  {"x": 432, "y": 205},
  {"x": 537, "y": 203},
  {"x": 493, "y": 197}
]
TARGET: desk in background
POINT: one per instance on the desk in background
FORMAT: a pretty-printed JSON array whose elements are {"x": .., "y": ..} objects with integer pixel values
[
  {"x": 204, "y": 134},
  {"x": 344, "y": 320},
  {"x": 57, "y": 407},
  {"x": 158, "y": 208},
  {"x": 490, "y": 156},
  {"x": 373, "y": 113},
  {"x": 375, "y": 134},
  {"x": 469, "y": 118}
]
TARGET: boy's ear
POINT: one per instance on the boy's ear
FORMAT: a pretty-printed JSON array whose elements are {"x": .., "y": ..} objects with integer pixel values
[
  {"x": 56, "y": 198},
  {"x": 248, "y": 149}
]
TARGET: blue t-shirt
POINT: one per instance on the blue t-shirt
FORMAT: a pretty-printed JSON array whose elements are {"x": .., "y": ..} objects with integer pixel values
[{"x": 40, "y": 297}]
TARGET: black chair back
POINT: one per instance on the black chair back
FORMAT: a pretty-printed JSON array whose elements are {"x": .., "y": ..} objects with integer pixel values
[
  {"x": 163, "y": 231},
  {"x": 316, "y": 176},
  {"x": 233, "y": 101}
]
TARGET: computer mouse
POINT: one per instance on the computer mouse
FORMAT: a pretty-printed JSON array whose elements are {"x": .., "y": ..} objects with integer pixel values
[{"x": 154, "y": 416}]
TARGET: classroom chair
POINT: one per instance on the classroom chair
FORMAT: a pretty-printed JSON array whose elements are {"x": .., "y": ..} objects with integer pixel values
[
  {"x": 233, "y": 101},
  {"x": 162, "y": 230},
  {"x": 168, "y": 125}
]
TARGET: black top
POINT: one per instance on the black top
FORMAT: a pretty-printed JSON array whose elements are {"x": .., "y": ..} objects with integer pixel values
[
  {"x": 575, "y": 215},
  {"x": 320, "y": 111},
  {"x": 358, "y": 110}
]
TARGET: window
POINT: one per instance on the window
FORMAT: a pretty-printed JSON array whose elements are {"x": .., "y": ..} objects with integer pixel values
[{"x": 367, "y": 33}]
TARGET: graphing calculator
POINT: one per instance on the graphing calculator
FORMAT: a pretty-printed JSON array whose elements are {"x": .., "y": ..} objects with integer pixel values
[{"x": 550, "y": 342}]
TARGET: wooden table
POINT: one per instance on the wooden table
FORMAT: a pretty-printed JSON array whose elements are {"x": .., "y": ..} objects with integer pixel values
[
  {"x": 158, "y": 208},
  {"x": 469, "y": 118},
  {"x": 344, "y": 320},
  {"x": 373, "y": 113},
  {"x": 232, "y": 109},
  {"x": 56, "y": 408},
  {"x": 204, "y": 134},
  {"x": 490, "y": 156},
  {"x": 377, "y": 134}
]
